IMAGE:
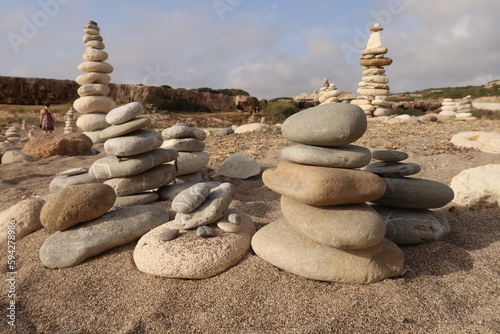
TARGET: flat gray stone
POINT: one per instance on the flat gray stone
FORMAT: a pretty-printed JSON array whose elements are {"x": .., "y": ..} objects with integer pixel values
[
  {"x": 124, "y": 113},
  {"x": 332, "y": 124},
  {"x": 386, "y": 155},
  {"x": 168, "y": 192},
  {"x": 346, "y": 156},
  {"x": 63, "y": 181},
  {"x": 213, "y": 208},
  {"x": 189, "y": 256},
  {"x": 392, "y": 169},
  {"x": 113, "y": 167},
  {"x": 183, "y": 131},
  {"x": 239, "y": 166},
  {"x": 116, "y": 228},
  {"x": 413, "y": 226},
  {"x": 283, "y": 247},
  {"x": 137, "y": 142},
  {"x": 184, "y": 145},
  {"x": 137, "y": 199},
  {"x": 191, "y": 162},
  {"x": 151, "y": 179},
  {"x": 124, "y": 128},
  {"x": 191, "y": 198},
  {"x": 414, "y": 193}
]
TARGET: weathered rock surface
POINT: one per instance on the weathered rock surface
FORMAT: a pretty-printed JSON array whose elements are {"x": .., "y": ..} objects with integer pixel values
[
  {"x": 478, "y": 187},
  {"x": 392, "y": 169},
  {"x": 191, "y": 198},
  {"x": 184, "y": 145},
  {"x": 281, "y": 246},
  {"x": 76, "y": 204},
  {"x": 45, "y": 146},
  {"x": 351, "y": 226},
  {"x": 124, "y": 113},
  {"x": 17, "y": 156},
  {"x": 124, "y": 128},
  {"x": 189, "y": 256},
  {"x": 331, "y": 124},
  {"x": 252, "y": 127},
  {"x": 191, "y": 162},
  {"x": 115, "y": 228},
  {"x": 239, "y": 166},
  {"x": 25, "y": 214},
  {"x": 170, "y": 191},
  {"x": 322, "y": 185},
  {"x": 413, "y": 226},
  {"x": 488, "y": 142}
]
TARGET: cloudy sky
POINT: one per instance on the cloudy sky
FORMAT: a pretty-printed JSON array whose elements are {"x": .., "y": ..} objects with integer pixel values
[{"x": 268, "y": 48}]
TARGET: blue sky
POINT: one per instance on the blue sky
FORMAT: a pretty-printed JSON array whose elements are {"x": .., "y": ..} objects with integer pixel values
[{"x": 269, "y": 48}]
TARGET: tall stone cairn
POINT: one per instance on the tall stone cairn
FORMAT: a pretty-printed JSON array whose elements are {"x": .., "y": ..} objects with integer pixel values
[
  {"x": 328, "y": 93},
  {"x": 94, "y": 102},
  {"x": 70, "y": 122},
  {"x": 373, "y": 89}
]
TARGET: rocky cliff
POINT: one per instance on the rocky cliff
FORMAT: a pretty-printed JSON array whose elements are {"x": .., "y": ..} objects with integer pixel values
[{"x": 36, "y": 91}]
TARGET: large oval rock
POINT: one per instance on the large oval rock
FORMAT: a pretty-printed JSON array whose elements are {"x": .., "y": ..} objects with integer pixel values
[
  {"x": 124, "y": 113},
  {"x": 322, "y": 185},
  {"x": 351, "y": 226},
  {"x": 115, "y": 228},
  {"x": 93, "y": 77},
  {"x": 183, "y": 131},
  {"x": 113, "y": 167},
  {"x": 92, "y": 122},
  {"x": 184, "y": 145},
  {"x": 191, "y": 198},
  {"x": 93, "y": 89},
  {"x": 76, "y": 204},
  {"x": 478, "y": 187},
  {"x": 26, "y": 217},
  {"x": 90, "y": 104},
  {"x": 415, "y": 193},
  {"x": 137, "y": 142},
  {"x": 64, "y": 144},
  {"x": 346, "y": 156},
  {"x": 191, "y": 162},
  {"x": 239, "y": 166},
  {"x": 331, "y": 124},
  {"x": 151, "y": 179},
  {"x": 213, "y": 208},
  {"x": 189, "y": 256},
  {"x": 124, "y": 128},
  {"x": 95, "y": 66},
  {"x": 413, "y": 226},
  {"x": 281, "y": 246}
]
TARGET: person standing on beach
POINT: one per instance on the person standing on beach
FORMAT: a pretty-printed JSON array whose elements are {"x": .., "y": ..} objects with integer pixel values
[{"x": 47, "y": 119}]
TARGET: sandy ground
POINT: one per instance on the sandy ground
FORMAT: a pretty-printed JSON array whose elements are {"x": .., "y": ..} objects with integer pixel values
[{"x": 450, "y": 286}]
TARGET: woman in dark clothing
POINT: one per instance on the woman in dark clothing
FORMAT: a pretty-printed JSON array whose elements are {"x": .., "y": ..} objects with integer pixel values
[{"x": 47, "y": 119}]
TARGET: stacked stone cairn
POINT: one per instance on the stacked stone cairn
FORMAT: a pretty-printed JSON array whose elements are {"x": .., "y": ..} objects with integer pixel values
[
  {"x": 70, "y": 122},
  {"x": 189, "y": 142},
  {"x": 406, "y": 202},
  {"x": 464, "y": 108},
  {"x": 328, "y": 232},
  {"x": 328, "y": 93},
  {"x": 448, "y": 108},
  {"x": 94, "y": 102},
  {"x": 136, "y": 163},
  {"x": 205, "y": 238},
  {"x": 13, "y": 134},
  {"x": 373, "y": 89},
  {"x": 78, "y": 214}
]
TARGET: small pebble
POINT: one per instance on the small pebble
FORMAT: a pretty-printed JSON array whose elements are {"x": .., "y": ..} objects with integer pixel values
[
  {"x": 205, "y": 231},
  {"x": 168, "y": 235},
  {"x": 235, "y": 218},
  {"x": 229, "y": 227},
  {"x": 384, "y": 155}
]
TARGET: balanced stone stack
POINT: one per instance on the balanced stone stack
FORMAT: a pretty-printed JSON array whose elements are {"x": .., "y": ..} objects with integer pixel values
[
  {"x": 205, "y": 239},
  {"x": 70, "y": 122},
  {"x": 94, "y": 102},
  {"x": 373, "y": 89},
  {"x": 328, "y": 93},
  {"x": 464, "y": 108},
  {"x": 448, "y": 108},
  {"x": 136, "y": 163},
  {"x": 13, "y": 134},
  {"x": 189, "y": 142},
  {"x": 406, "y": 202},
  {"x": 328, "y": 232}
]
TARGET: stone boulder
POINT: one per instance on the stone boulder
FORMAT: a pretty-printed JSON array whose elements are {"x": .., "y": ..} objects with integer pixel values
[
  {"x": 478, "y": 187},
  {"x": 25, "y": 214},
  {"x": 252, "y": 127},
  {"x": 17, "y": 156},
  {"x": 488, "y": 142},
  {"x": 45, "y": 146}
]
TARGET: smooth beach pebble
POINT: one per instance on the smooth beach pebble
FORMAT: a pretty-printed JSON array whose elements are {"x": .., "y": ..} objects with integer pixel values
[
  {"x": 235, "y": 218},
  {"x": 205, "y": 231},
  {"x": 168, "y": 235},
  {"x": 229, "y": 227}
]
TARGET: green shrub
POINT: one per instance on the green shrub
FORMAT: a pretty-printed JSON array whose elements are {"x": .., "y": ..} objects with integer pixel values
[
  {"x": 280, "y": 111},
  {"x": 205, "y": 89},
  {"x": 410, "y": 111},
  {"x": 232, "y": 92},
  {"x": 163, "y": 102}
]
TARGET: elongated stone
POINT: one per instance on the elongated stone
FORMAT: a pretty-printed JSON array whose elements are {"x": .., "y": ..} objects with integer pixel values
[
  {"x": 90, "y": 104},
  {"x": 184, "y": 145},
  {"x": 124, "y": 113},
  {"x": 183, "y": 131},
  {"x": 389, "y": 156},
  {"x": 115, "y": 228},
  {"x": 191, "y": 198},
  {"x": 93, "y": 78},
  {"x": 124, "y": 128},
  {"x": 137, "y": 142},
  {"x": 92, "y": 122},
  {"x": 347, "y": 156},
  {"x": 392, "y": 169}
]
